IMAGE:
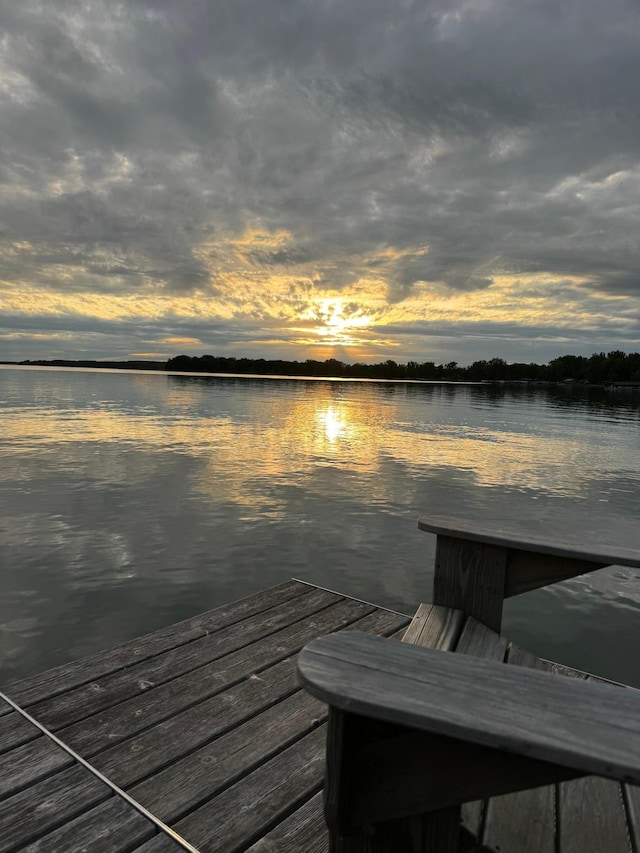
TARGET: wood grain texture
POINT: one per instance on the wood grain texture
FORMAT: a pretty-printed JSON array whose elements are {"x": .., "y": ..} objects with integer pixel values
[
  {"x": 162, "y": 703},
  {"x": 631, "y": 798},
  {"x": 15, "y": 730},
  {"x": 591, "y": 817},
  {"x": 62, "y": 678},
  {"x": 470, "y": 576},
  {"x": 29, "y": 763},
  {"x": 589, "y": 727},
  {"x": 524, "y": 821},
  {"x": 479, "y": 641},
  {"x": 243, "y": 813},
  {"x": 110, "y": 690},
  {"x": 304, "y": 830},
  {"x": 43, "y": 807},
  {"x": 201, "y": 775},
  {"x": 506, "y": 534},
  {"x": 434, "y": 627},
  {"x": 135, "y": 758},
  {"x": 509, "y": 535},
  {"x": 111, "y": 827}
]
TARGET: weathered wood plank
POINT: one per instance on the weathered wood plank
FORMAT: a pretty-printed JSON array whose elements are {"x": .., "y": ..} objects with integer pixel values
[
  {"x": 248, "y": 810},
  {"x": 591, "y": 812},
  {"x": 139, "y": 756},
  {"x": 631, "y": 796},
  {"x": 526, "y": 820},
  {"x": 158, "y": 704},
  {"x": 27, "y": 764},
  {"x": 67, "y": 676},
  {"x": 592, "y": 817},
  {"x": 198, "y": 777},
  {"x": 43, "y": 807},
  {"x": 470, "y": 576},
  {"x": 15, "y": 730},
  {"x": 304, "y": 830},
  {"x": 434, "y": 627},
  {"x": 479, "y": 641},
  {"x": 506, "y": 534},
  {"x": 160, "y": 844},
  {"x": 111, "y": 827},
  {"x": 523, "y": 711},
  {"x": 72, "y": 706}
]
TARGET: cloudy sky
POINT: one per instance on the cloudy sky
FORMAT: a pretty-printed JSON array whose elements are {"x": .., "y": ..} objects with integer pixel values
[{"x": 446, "y": 180}]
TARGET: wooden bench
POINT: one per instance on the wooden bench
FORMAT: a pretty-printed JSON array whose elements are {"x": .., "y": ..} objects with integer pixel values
[{"x": 419, "y": 739}]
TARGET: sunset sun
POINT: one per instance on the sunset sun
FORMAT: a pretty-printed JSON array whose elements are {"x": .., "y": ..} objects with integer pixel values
[{"x": 339, "y": 322}]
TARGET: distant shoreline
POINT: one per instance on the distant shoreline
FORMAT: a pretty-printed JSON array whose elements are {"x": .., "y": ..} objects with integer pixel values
[{"x": 615, "y": 370}]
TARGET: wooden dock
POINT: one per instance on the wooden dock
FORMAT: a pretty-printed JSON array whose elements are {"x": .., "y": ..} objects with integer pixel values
[
  {"x": 199, "y": 736},
  {"x": 203, "y": 723}
]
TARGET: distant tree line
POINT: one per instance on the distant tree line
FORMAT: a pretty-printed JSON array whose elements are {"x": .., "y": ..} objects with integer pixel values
[{"x": 599, "y": 369}]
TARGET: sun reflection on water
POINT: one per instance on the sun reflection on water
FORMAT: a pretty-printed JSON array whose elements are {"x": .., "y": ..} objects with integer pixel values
[{"x": 333, "y": 422}]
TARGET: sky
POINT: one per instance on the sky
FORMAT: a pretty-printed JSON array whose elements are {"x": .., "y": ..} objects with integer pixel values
[{"x": 430, "y": 181}]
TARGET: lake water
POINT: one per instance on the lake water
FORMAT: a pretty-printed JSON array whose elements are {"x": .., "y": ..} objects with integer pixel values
[{"x": 131, "y": 500}]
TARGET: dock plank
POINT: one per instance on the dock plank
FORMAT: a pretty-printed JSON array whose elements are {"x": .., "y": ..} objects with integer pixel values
[
  {"x": 304, "y": 830},
  {"x": 111, "y": 827},
  {"x": 45, "y": 806},
  {"x": 434, "y": 627},
  {"x": 592, "y": 817},
  {"x": 200, "y": 776},
  {"x": 102, "y": 693},
  {"x": 526, "y": 820},
  {"x": 247, "y": 810},
  {"x": 154, "y": 748},
  {"x": 75, "y": 673},
  {"x": 15, "y": 730},
  {"x": 160, "y": 703},
  {"x": 29, "y": 763}
]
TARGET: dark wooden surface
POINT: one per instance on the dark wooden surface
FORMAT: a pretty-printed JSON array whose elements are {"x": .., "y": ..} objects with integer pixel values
[
  {"x": 577, "y": 724},
  {"x": 519, "y": 536},
  {"x": 205, "y": 724}
]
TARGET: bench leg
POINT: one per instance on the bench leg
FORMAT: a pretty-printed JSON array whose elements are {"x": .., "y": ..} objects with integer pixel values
[{"x": 433, "y": 832}]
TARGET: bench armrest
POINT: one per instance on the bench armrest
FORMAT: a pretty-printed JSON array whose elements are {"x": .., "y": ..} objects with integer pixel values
[
  {"x": 585, "y": 726},
  {"x": 509, "y": 535}
]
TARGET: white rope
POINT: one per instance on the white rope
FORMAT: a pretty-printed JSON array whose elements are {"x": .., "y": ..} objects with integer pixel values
[{"x": 123, "y": 794}]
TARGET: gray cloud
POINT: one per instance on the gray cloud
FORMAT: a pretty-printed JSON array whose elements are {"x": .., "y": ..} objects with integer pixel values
[{"x": 471, "y": 141}]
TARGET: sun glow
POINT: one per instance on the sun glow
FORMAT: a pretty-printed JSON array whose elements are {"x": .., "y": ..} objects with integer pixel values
[{"x": 336, "y": 321}]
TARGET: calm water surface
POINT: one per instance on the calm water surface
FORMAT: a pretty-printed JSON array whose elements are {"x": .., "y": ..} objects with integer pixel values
[{"x": 132, "y": 500}]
